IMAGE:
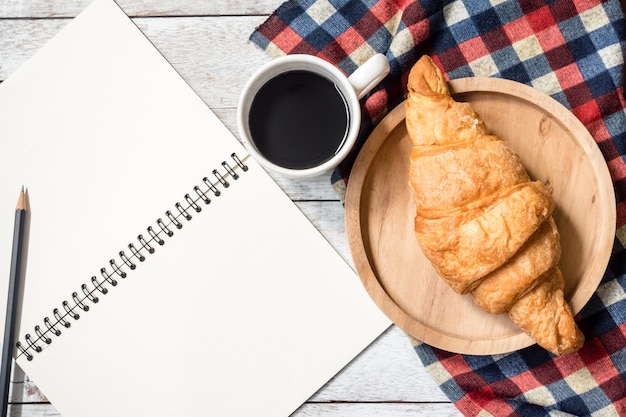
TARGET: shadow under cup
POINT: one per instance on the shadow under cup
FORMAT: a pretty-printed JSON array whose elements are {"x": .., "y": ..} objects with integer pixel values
[{"x": 300, "y": 118}]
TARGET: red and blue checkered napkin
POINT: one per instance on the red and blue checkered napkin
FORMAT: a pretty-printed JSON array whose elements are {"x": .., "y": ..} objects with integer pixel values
[{"x": 573, "y": 50}]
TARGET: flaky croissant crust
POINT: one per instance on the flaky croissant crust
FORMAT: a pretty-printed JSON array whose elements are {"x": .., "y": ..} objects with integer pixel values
[{"x": 484, "y": 225}]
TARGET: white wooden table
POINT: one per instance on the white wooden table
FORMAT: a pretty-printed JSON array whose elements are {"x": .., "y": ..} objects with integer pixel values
[{"x": 207, "y": 42}]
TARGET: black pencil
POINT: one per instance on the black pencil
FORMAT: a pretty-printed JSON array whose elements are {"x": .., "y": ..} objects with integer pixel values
[{"x": 14, "y": 280}]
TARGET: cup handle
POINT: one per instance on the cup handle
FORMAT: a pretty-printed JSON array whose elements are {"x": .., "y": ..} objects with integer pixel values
[{"x": 368, "y": 75}]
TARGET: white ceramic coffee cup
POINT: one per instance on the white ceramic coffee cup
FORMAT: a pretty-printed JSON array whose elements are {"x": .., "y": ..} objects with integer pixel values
[{"x": 353, "y": 88}]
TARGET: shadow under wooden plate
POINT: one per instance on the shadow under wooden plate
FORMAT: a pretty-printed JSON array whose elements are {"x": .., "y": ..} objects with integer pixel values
[{"x": 555, "y": 148}]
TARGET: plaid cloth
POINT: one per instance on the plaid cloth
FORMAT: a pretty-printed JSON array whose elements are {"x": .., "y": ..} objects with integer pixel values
[{"x": 573, "y": 50}]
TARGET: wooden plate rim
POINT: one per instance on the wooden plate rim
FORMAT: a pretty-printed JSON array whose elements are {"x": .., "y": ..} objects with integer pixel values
[{"x": 355, "y": 237}]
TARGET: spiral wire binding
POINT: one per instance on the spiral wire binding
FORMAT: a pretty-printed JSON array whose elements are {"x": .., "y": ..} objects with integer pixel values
[{"x": 89, "y": 294}]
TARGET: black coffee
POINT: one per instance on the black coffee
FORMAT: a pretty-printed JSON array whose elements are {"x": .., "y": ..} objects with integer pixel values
[{"x": 299, "y": 120}]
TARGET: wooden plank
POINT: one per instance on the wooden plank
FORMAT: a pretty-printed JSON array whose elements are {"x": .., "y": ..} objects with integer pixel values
[
  {"x": 376, "y": 409},
  {"x": 307, "y": 410},
  {"x": 23, "y": 390},
  {"x": 328, "y": 217},
  {"x": 212, "y": 61},
  {"x": 215, "y": 57},
  {"x": 32, "y": 410},
  {"x": 70, "y": 8},
  {"x": 19, "y": 39},
  {"x": 387, "y": 371},
  {"x": 213, "y": 54}
]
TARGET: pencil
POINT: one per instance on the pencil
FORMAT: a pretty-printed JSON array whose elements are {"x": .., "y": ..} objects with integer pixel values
[{"x": 14, "y": 280}]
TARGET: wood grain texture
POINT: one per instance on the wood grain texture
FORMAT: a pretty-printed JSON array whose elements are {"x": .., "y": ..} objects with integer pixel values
[
  {"x": 386, "y": 410},
  {"x": 555, "y": 148},
  {"x": 307, "y": 410},
  {"x": 161, "y": 8},
  {"x": 207, "y": 43},
  {"x": 200, "y": 48}
]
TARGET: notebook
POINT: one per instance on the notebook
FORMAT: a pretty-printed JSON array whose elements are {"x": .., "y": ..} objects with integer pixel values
[{"x": 244, "y": 310}]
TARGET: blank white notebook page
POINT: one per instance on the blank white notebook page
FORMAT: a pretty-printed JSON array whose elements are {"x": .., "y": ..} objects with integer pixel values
[{"x": 246, "y": 300}]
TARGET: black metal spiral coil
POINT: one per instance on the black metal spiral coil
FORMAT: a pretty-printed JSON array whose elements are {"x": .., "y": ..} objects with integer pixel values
[{"x": 139, "y": 251}]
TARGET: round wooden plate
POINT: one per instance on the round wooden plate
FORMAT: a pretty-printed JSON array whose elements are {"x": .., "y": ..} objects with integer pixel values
[{"x": 555, "y": 148}]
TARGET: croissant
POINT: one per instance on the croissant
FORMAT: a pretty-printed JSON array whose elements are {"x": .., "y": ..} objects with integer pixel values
[{"x": 485, "y": 226}]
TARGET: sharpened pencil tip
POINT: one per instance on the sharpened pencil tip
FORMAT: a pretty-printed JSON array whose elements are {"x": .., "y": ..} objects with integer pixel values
[{"x": 21, "y": 201}]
